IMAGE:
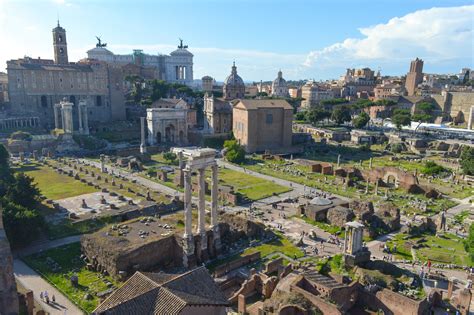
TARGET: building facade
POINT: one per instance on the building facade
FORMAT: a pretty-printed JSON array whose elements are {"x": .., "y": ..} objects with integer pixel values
[
  {"x": 234, "y": 87},
  {"x": 217, "y": 115},
  {"x": 261, "y": 125},
  {"x": 414, "y": 76},
  {"x": 36, "y": 85},
  {"x": 312, "y": 94},
  {"x": 177, "y": 67}
]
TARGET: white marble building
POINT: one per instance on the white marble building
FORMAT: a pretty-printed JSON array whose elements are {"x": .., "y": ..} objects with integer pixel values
[
  {"x": 177, "y": 67},
  {"x": 167, "y": 126}
]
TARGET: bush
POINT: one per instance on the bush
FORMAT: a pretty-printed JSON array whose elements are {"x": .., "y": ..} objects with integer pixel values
[
  {"x": 431, "y": 168},
  {"x": 467, "y": 160},
  {"x": 169, "y": 156},
  {"x": 235, "y": 153},
  {"x": 396, "y": 148}
]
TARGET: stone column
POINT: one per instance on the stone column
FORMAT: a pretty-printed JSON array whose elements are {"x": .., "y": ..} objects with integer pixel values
[
  {"x": 79, "y": 112},
  {"x": 202, "y": 207},
  {"x": 85, "y": 119},
  {"x": 102, "y": 163},
  {"x": 188, "y": 241},
  {"x": 142, "y": 130},
  {"x": 214, "y": 201},
  {"x": 338, "y": 160},
  {"x": 67, "y": 117}
]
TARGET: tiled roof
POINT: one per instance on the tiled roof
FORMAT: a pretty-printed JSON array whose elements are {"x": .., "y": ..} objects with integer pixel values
[
  {"x": 160, "y": 293},
  {"x": 266, "y": 103}
]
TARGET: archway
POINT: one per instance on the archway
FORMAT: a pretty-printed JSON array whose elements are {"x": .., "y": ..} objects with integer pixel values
[
  {"x": 72, "y": 99},
  {"x": 391, "y": 180},
  {"x": 44, "y": 101},
  {"x": 181, "y": 137},
  {"x": 170, "y": 133},
  {"x": 158, "y": 137}
]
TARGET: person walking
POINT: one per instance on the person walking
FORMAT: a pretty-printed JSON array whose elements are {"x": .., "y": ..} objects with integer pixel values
[{"x": 41, "y": 295}]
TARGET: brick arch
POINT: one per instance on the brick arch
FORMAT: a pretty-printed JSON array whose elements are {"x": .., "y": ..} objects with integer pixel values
[{"x": 292, "y": 309}]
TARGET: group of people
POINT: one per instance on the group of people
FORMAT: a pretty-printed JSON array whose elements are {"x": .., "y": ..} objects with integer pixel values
[{"x": 44, "y": 296}]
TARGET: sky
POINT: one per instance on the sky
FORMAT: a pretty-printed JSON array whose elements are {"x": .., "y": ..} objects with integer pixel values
[{"x": 315, "y": 39}]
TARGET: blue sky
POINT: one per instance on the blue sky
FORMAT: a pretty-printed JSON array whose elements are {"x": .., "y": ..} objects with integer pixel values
[{"x": 306, "y": 39}]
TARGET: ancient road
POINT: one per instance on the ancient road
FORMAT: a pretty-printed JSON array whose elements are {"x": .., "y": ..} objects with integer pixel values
[{"x": 33, "y": 281}]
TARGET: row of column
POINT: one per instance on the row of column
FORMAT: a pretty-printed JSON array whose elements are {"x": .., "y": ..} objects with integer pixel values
[
  {"x": 10, "y": 123},
  {"x": 201, "y": 228}
]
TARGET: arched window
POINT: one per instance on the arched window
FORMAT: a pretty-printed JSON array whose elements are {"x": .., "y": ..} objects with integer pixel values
[{"x": 44, "y": 101}]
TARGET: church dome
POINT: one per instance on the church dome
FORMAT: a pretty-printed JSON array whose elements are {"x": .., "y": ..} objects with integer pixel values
[
  {"x": 279, "y": 81},
  {"x": 98, "y": 51},
  {"x": 234, "y": 79}
]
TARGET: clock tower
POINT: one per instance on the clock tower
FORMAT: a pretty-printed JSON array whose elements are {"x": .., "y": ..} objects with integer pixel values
[{"x": 60, "y": 45}]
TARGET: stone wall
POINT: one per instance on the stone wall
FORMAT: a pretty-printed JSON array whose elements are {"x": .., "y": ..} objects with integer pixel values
[
  {"x": 232, "y": 265},
  {"x": 8, "y": 292},
  {"x": 393, "y": 303}
]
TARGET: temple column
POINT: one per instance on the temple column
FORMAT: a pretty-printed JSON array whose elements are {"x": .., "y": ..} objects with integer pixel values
[
  {"x": 79, "y": 111},
  {"x": 188, "y": 228},
  {"x": 188, "y": 241},
  {"x": 142, "y": 130},
  {"x": 202, "y": 207},
  {"x": 214, "y": 201},
  {"x": 85, "y": 119}
]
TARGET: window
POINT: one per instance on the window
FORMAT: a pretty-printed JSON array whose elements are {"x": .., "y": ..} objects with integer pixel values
[{"x": 269, "y": 119}]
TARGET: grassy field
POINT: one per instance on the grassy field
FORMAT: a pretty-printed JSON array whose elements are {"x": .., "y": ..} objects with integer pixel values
[
  {"x": 447, "y": 248},
  {"x": 252, "y": 187},
  {"x": 67, "y": 257},
  {"x": 53, "y": 185}
]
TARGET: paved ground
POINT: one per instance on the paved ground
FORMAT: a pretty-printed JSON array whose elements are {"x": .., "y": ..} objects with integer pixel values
[{"x": 33, "y": 281}]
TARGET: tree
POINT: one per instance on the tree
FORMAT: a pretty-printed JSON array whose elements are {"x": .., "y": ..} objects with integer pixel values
[
  {"x": 341, "y": 115},
  {"x": 235, "y": 153},
  {"x": 401, "y": 117},
  {"x": 424, "y": 112},
  {"x": 467, "y": 160},
  {"x": 23, "y": 191},
  {"x": 22, "y": 225},
  {"x": 169, "y": 156},
  {"x": 469, "y": 242},
  {"x": 300, "y": 116},
  {"x": 317, "y": 114},
  {"x": 431, "y": 168},
  {"x": 361, "y": 120}
]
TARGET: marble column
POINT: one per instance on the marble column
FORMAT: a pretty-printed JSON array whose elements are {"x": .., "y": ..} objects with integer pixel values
[
  {"x": 142, "y": 130},
  {"x": 202, "y": 207},
  {"x": 85, "y": 119},
  {"x": 188, "y": 219},
  {"x": 188, "y": 241},
  {"x": 79, "y": 112},
  {"x": 67, "y": 116},
  {"x": 214, "y": 201},
  {"x": 338, "y": 160}
]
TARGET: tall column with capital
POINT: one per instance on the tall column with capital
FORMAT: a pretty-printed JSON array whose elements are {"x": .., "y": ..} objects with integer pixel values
[
  {"x": 85, "y": 119},
  {"x": 214, "y": 200},
  {"x": 142, "y": 130},
  {"x": 188, "y": 245},
  {"x": 56, "y": 117},
  {"x": 79, "y": 111},
  {"x": 202, "y": 207}
]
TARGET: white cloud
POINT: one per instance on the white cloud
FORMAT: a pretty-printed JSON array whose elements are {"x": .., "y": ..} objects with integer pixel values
[{"x": 435, "y": 34}]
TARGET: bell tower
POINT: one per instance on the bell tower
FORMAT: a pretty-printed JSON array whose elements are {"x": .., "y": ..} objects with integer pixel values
[{"x": 60, "y": 45}]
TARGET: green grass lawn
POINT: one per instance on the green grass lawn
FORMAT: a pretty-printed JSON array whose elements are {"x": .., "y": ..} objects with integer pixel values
[
  {"x": 447, "y": 248},
  {"x": 67, "y": 257},
  {"x": 254, "y": 188},
  {"x": 53, "y": 185}
]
